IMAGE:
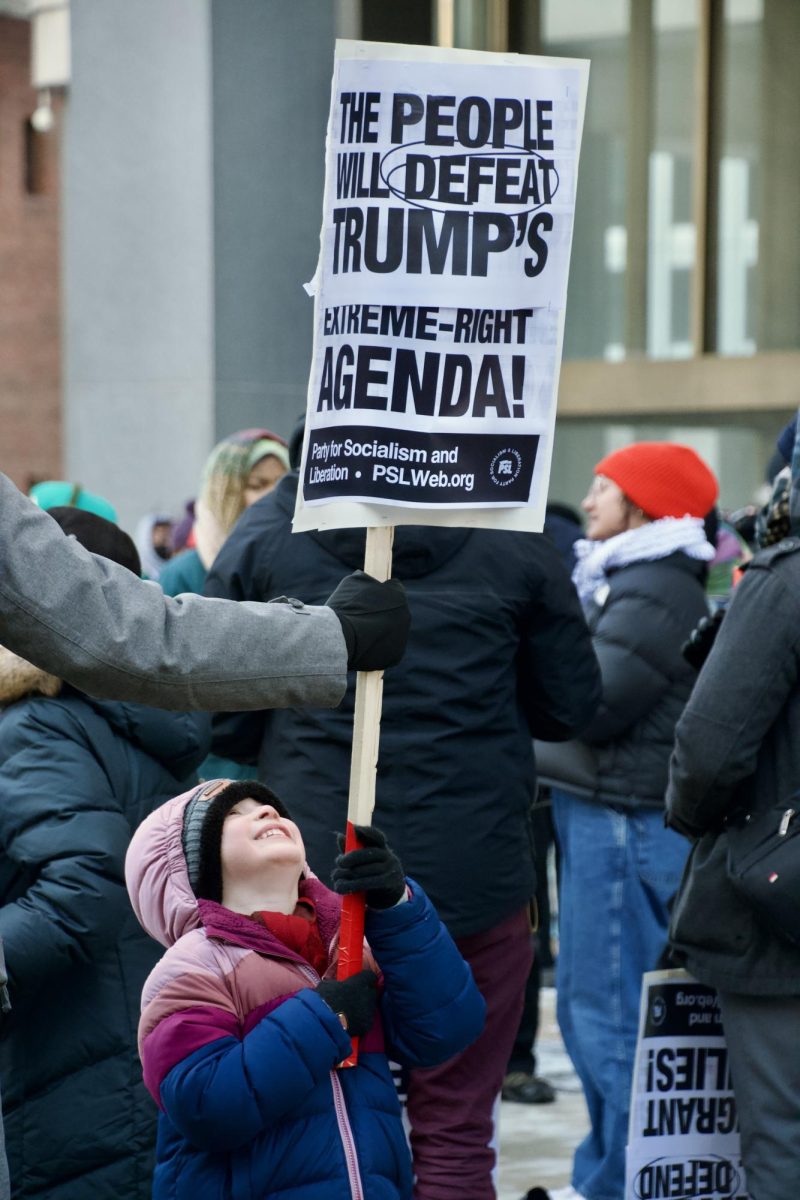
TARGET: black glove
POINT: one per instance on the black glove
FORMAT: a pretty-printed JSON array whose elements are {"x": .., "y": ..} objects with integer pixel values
[
  {"x": 375, "y": 620},
  {"x": 697, "y": 647},
  {"x": 354, "y": 999},
  {"x": 375, "y": 870}
]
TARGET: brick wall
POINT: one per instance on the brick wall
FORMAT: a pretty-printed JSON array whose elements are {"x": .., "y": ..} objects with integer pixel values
[{"x": 30, "y": 333}]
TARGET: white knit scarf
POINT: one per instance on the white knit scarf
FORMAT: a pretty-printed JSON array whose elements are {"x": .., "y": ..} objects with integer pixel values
[{"x": 657, "y": 539}]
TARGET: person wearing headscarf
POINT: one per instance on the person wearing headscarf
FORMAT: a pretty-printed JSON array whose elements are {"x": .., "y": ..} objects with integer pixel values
[
  {"x": 640, "y": 574},
  {"x": 153, "y": 538},
  {"x": 737, "y": 752},
  {"x": 240, "y": 470},
  {"x": 58, "y": 493}
]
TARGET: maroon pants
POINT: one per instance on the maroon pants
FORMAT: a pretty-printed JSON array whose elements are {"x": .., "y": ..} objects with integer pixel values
[{"x": 450, "y": 1107}]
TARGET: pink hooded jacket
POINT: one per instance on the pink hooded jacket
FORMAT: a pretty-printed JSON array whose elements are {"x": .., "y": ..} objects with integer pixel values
[
  {"x": 240, "y": 1050},
  {"x": 217, "y": 961}
]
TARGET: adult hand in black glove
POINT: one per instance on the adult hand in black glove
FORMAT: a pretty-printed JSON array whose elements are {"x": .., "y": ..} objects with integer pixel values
[
  {"x": 353, "y": 1000},
  {"x": 375, "y": 870},
  {"x": 375, "y": 620},
  {"x": 697, "y": 647}
]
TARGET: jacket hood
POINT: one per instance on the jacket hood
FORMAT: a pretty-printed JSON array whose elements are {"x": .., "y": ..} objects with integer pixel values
[
  {"x": 158, "y": 881},
  {"x": 156, "y": 875},
  {"x": 417, "y": 551},
  {"x": 19, "y": 678},
  {"x": 178, "y": 740}
]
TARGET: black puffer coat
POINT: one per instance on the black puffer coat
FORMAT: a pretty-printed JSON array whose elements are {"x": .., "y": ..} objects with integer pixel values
[
  {"x": 76, "y": 778},
  {"x": 498, "y": 650},
  {"x": 738, "y": 745},
  {"x": 639, "y": 621}
]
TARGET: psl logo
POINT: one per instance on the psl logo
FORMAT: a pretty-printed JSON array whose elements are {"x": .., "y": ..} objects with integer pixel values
[
  {"x": 505, "y": 467},
  {"x": 658, "y": 1010}
]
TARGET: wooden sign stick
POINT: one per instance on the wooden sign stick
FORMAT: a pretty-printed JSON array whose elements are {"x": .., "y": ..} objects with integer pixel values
[{"x": 363, "y": 767}]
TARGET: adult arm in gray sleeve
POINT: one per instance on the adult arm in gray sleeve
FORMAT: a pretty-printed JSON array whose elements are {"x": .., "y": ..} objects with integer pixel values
[
  {"x": 753, "y": 667},
  {"x": 90, "y": 621}
]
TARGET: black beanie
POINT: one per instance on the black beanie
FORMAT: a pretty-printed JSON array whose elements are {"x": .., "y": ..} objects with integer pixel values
[
  {"x": 203, "y": 819},
  {"x": 98, "y": 535}
]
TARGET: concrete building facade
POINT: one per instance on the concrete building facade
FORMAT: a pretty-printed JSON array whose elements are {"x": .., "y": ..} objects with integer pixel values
[
  {"x": 193, "y": 169},
  {"x": 30, "y": 304}
]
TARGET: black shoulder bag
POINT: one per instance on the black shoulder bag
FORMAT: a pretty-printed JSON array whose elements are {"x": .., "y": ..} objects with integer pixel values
[{"x": 764, "y": 864}]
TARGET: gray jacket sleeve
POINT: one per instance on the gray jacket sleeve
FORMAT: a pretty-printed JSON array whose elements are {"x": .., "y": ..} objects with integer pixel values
[{"x": 90, "y": 621}]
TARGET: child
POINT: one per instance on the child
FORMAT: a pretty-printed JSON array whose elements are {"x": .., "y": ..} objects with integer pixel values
[{"x": 244, "y": 1024}]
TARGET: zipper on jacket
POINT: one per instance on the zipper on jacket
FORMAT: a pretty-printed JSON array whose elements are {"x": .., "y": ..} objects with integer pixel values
[
  {"x": 786, "y": 821},
  {"x": 346, "y": 1134},
  {"x": 342, "y": 1120}
]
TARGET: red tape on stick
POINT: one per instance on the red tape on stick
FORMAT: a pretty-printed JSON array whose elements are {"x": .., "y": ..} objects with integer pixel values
[{"x": 351, "y": 935}]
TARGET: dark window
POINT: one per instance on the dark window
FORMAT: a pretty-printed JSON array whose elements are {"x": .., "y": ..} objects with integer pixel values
[
  {"x": 410, "y": 22},
  {"x": 37, "y": 167}
]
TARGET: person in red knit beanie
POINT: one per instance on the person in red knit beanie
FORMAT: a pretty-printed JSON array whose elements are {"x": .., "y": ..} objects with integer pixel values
[
  {"x": 662, "y": 478},
  {"x": 640, "y": 575}
]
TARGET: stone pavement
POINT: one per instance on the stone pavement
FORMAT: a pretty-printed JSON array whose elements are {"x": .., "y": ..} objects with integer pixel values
[{"x": 537, "y": 1140}]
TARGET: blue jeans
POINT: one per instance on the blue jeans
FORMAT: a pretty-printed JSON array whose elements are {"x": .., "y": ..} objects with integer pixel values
[{"x": 618, "y": 871}]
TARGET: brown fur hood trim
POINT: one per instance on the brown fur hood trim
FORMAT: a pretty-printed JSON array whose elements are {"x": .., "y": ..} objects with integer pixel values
[{"x": 19, "y": 679}]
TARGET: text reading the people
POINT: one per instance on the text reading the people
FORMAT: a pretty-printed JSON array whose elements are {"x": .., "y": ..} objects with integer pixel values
[{"x": 469, "y": 173}]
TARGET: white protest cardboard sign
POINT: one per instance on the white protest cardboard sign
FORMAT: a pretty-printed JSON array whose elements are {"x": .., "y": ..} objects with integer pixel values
[
  {"x": 683, "y": 1138},
  {"x": 441, "y": 287}
]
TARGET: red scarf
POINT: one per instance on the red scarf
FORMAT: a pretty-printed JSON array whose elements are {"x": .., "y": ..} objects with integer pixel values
[{"x": 298, "y": 931}]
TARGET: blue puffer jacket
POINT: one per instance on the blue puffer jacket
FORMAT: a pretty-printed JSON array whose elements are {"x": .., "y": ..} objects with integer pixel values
[
  {"x": 76, "y": 777},
  {"x": 241, "y": 1053}
]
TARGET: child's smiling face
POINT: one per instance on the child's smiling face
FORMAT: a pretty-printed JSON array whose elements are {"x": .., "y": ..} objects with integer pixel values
[{"x": 255, "y": 838}]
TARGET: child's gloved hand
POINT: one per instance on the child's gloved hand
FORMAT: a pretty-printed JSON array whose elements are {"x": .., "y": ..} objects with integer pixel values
[
  {"x": 353, "y": 1000},
  {"x": 375, "y": 870}
]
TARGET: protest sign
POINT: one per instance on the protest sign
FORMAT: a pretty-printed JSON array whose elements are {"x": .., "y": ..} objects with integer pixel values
[
  {"x": 438, "y": 313},
  {"x": 683, "y": 1138},
  {"x": 441, "y": 287}
]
